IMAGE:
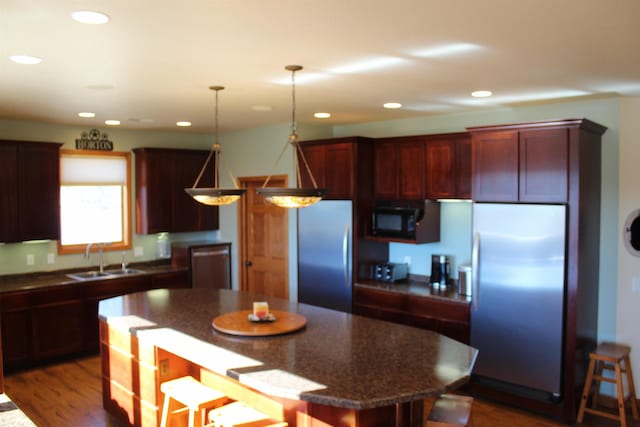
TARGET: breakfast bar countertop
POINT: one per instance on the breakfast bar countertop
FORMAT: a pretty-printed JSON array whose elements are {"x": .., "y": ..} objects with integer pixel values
[{"x": 337, "y": 359}]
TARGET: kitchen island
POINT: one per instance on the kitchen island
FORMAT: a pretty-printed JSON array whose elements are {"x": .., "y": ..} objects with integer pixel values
[{"x": 339, "y": 370}]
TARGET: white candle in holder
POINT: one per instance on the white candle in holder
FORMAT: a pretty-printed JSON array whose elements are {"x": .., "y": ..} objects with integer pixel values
[{"x": 260, "y": 309}]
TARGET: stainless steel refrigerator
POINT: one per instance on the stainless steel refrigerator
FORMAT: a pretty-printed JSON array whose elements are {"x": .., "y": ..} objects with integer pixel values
[
  {"x": 518, "y": 270},
  {"x": 325, "y": 242}
]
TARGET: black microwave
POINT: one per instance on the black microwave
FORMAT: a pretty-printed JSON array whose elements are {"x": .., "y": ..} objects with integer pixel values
[{"x": 395, "y": 221}]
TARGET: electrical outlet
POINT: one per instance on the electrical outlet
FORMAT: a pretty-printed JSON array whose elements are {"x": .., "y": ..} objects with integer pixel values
[
  {"x": 51, "y": 259},
  {"x": 30, "y": 259},
  {"x": 407, "y": 260},
  {"x": 635, "y": 284},
  {"x": 138, "y": 251}
]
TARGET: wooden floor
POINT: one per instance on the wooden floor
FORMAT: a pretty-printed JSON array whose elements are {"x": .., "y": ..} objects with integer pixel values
[{"x": 70, "y": 394}]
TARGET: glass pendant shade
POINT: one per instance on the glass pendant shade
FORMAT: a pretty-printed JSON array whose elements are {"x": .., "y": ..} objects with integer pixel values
[
  {"x": 296, "y": 197},
  {"x": 215, "y": 196}
]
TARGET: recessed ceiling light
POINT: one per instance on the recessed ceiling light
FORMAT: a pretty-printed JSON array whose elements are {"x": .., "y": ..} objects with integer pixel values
[
  {"x": 183, "y": 124},
  {"x": 86, "y": 114},
  {"x": 90, "y": 17},
  {"x": 25, "y": 59},
  {"x": 112, "y": 122},
  {"x": 322, "y": 115},
  {"x": 392, "y": 105},
  {"x": 481, "y": 93}
]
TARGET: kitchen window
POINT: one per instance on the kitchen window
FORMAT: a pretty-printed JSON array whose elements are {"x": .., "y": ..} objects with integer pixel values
[{"x": 94, "y": 200}]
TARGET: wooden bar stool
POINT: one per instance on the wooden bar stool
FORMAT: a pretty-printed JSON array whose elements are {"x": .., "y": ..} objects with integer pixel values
[
  {"x": 192, "y": 395},
  {"x": 450, "y": 410},
  {"x": 613, "y": 357},
  {"x": 237, "y": 414}
]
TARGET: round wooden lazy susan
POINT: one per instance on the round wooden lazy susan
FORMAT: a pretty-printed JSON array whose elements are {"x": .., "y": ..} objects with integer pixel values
[{"x": 238, "y": 323}]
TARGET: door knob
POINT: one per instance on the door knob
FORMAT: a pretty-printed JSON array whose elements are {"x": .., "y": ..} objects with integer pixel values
[{"x": 248, "y": 263}]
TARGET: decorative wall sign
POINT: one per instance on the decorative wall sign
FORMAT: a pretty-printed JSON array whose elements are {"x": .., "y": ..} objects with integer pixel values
[{"x": 94, "y": 140}]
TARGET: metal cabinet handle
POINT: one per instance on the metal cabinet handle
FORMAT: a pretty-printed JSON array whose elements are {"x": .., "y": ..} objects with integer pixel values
[{"x": 345, "y": 255}]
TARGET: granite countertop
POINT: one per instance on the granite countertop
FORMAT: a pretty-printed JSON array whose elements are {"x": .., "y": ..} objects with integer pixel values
[
  {"x": 38, "y": 280},
  {"x": 338, "y": 359},
  {"x": 419, "y": 288}
]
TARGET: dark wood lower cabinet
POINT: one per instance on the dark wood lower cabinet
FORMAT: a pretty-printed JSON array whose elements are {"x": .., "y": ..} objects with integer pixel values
[
  {"x": 450, "y": 318},
  {"x": 55, "y": 322}
]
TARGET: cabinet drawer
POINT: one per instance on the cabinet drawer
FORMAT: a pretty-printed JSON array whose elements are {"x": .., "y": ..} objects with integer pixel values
[
  {"x": 56, "y": 295},
  {"x": 439, "y": 309},
  {"x": 384, "y": 300}
]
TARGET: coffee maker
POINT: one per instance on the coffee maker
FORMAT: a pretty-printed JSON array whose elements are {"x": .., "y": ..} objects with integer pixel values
[{"x": 440, "y": 270}]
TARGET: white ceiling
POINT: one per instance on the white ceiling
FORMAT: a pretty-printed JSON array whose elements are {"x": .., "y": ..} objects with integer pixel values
[{"x": 151, "y": 66}]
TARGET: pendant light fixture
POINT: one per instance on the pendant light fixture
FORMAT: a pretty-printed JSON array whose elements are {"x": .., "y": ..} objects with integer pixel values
[
  {"x": 296, "y": 197},
  {"x": 215, "y": 196}
]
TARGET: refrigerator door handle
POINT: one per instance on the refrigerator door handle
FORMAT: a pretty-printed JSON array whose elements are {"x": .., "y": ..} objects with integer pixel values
[
  {"x": 475, "y": 270},
  {"x": 345, "y": 255}
]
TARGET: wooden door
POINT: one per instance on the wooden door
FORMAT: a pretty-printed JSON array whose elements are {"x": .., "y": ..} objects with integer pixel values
[
  {"x": 264, "y": 241},
  {"x": 410, "y": 169},
  {"x": 385, "y": 171},
  {"x": 544, "y": 165},
  {"x": 463, "y": 167},
  {"x": 495, "y": 166},
  {"x": 440, "y": 182},
  {"x": 8, "y": 191},
  {"x": 38, "y": 174},
  {"x": 339, "y": 170}
]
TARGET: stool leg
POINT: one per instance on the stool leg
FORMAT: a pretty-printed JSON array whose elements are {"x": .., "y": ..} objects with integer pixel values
[
  {"x": 632, "y": 387},
  {"x": 165, "y": 411},
  {"x": 587, "y": 388},
  {"x": 192, "y": 417},
  {"x": 600, "y": 367},
  {"x": 621, "y": 408}
]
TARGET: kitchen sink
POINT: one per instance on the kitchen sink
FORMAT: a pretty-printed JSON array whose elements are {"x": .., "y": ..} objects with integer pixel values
[
  {"x": 93, "y": 275},
  {"x": 124, "y": 271},
  {"x": 90, "y": 275}
]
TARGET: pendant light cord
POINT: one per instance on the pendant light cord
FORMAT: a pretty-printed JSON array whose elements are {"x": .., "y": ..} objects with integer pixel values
[
  {"x": 215, "y": 149},
  {"x": 293, "y": 138}
]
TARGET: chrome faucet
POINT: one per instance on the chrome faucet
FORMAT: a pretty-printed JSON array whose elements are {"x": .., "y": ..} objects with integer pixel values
[{"x": 100, "y": 256}]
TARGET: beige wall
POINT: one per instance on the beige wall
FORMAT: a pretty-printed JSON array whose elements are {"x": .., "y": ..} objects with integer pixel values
[{"x": 628, "y": 305}]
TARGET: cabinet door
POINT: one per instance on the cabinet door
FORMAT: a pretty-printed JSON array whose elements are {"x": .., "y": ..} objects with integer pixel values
[
  {"x": 162, "y": 204},
  {"x": 16, "y": 338},
  {"x": 495, "y": 166},
  {"x": 38, "y": 174},
  {"x": 440, "y": 162},
  {"x": 57, "y": 329},
  {"x": 315, "y": 156},
  {"x": 544, "y": 155},
  {"x": 187, "y": 214},
  {"x": 8, "y": 192},
  {"x": 463, "y": 167},
  {"x": 385, "y": 171},
  {"x": 154, "y": 190},
  {"x": 410, "y": 170},
  {"x": 339, "y": 170}
]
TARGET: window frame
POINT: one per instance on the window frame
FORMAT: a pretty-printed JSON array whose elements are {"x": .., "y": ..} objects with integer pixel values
[{"x": 127, "y": 219}]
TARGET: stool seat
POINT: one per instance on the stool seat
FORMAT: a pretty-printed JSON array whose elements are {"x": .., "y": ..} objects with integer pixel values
[
  {"x": 613, "y": 357},
  {"x": 450, "y": 410},
  {"x": 192, "y": 395},
  {"x": 237, "y": 414}
]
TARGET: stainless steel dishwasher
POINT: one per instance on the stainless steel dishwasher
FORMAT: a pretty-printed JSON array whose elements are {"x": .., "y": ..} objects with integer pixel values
[{"x": 209, "y": 263}]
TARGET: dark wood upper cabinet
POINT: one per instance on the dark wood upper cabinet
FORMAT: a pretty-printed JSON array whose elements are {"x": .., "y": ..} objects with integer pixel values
[
  {"x": 161, "y": 202},
  {"x": 495, "y": 166},
  {"x": 448, "y": 166},
  {"x": 399, "y": 165},
  {"x": 544, "y": 165},
  {"x": 28, "y": 169},
  {"x": 341, "y": 165},
  {"x": 521, "y": 165}
]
